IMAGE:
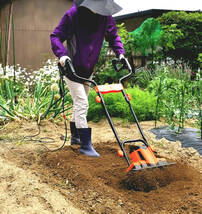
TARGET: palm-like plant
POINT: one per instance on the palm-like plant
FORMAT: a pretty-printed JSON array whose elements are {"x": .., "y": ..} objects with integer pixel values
[{"x": 147, "y": 37}]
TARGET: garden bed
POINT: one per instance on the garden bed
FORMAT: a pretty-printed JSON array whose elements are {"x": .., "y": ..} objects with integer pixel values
[{"x": 34, "y": 180}]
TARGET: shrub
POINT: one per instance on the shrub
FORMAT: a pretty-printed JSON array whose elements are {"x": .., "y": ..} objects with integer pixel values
[
  {"x": 188, "y": 45},
  {"x": 142, "y": 102},
  {"x": 178, "y": 96}
]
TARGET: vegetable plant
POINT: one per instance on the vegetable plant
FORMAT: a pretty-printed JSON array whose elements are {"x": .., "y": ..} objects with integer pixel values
[{"x": 34, "y": 101}]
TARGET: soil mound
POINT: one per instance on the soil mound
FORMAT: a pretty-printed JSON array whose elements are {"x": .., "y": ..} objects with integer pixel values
[
  {"x": 83, "y": 171},
  {"x": 147, "y": 180},
  {"x": 104, "y": 185}
]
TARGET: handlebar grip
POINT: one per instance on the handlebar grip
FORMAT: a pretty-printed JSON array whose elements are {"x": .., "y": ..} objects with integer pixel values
[
  {"x": 69, "y": 66},
  {"x": 69, "y": 71},
  {"x": 124, "y": 62},
  {"x": 114, "y": 63}
]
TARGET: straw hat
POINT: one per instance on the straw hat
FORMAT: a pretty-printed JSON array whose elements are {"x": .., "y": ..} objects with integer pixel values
[{"x": 102, "y": 7}]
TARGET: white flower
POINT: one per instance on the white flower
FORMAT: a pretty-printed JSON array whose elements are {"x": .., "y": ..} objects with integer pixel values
[
  {"x": 41, "y": 70},
  {"x": 54, "y": 87},
  {"x": 7, "y": 68},
  {"x": 49, "y": 61},
  {"x": 6, "y": 77},
  {"x": 53, "y": 79},
  {"x": 27, "y": 84},
  {"x": 56, "y": 96}
]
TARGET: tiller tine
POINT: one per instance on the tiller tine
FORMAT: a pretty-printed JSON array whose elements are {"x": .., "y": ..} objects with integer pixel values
[{"x": 143, "y": 157}]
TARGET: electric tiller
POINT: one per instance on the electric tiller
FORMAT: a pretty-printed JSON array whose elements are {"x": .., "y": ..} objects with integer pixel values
[{"x": 138, "y": 157}]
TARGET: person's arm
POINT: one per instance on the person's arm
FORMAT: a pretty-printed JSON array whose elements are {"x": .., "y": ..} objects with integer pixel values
[
  {"x": 62, "y": 32},
  {"x": 113, "y": 38}
]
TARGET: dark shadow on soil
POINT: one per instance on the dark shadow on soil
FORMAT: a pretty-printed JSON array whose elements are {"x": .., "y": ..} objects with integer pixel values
[
  {"x": 152, "y": 179},
  {"x": 189, "y": 137}
]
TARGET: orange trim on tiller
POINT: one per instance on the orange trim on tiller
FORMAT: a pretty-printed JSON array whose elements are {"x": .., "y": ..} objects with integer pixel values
[
  {"x": 111, "y": 88},
  {"x": 146, "y": 153},
  {"x": 132, "y": 165}
]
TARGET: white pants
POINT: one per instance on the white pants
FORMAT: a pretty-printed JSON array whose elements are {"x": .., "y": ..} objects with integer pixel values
[{"x": 79, "y": 93}]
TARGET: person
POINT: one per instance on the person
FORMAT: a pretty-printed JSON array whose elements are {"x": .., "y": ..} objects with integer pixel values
[{"x": 84, "y": 27}]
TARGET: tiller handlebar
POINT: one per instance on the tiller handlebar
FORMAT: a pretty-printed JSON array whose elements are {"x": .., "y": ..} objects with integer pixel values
[{"x": 138, "y": 157}]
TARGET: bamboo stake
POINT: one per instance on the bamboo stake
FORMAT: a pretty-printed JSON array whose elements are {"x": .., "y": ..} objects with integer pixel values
[
  {"x": 14, "y": 63},
  {"x": 0, "y": 38},
  {"x": 9, "y": 32},
  {"x": 5, "y": 38}
]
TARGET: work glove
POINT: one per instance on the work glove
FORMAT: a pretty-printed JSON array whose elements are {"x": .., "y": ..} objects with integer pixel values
[
  {"x": 124, "y": 60},
  {"x": 63, "y": 59},
  {"x": 121, "y": 56}
]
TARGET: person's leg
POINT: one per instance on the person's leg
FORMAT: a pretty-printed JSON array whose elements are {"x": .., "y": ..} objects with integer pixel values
[
  {"x": 79, "y": 93},
  {"x": 75, "y": 139},
  {"x": 76, "y": 88},
  {"x": 85, "y": 134},
  {"x": 87, "y": 87},
  {"x": 86, "y": 142},
  {"x": 80, "y": 103}
]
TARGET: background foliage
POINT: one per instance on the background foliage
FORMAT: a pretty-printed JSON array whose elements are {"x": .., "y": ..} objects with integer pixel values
[
  {"x": 165, "y": 89},
  {"x": 187, "y": 43}
]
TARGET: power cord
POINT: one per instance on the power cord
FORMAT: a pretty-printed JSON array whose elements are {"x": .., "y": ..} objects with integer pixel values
[{"x": 51, "y": 140}]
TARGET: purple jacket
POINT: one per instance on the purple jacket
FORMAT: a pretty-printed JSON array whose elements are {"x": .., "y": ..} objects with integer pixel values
[{"x": 84, "y": 32}]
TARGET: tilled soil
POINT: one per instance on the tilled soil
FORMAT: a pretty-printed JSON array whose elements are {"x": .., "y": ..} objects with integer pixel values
[{"x": 101, "y": 185}]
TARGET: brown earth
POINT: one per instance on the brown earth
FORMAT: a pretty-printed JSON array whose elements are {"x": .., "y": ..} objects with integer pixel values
[{"x": 34, "y": 180}]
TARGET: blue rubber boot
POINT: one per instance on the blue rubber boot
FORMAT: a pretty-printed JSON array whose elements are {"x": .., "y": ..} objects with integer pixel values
[
  {"x": 75, "y": 139},
  {"x": 86, "y": 145}
]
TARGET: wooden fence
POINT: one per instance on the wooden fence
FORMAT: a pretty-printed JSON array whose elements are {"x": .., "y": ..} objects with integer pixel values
[{"x": 34, "y": 20}]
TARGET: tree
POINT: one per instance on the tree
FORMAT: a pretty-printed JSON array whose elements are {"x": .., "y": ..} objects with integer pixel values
[
  {"x": 189, "y": 44},
  {"x": 169, "y": 37},
  {"x": 147, "y": 37}
]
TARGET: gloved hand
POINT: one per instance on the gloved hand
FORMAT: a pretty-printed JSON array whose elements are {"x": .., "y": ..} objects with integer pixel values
[
  {"x": 121, "y": 56},
  {"x": 124, "y": 61},
  {"x": 63, "y": 59}
]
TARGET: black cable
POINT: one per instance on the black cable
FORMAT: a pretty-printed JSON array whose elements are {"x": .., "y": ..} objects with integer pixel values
[
  {"x": 42, "y": 140},
  {"x": 51, "y": 140},
  {"x": 61, "y": 86},
  {"x": 62, "y": 95}
]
